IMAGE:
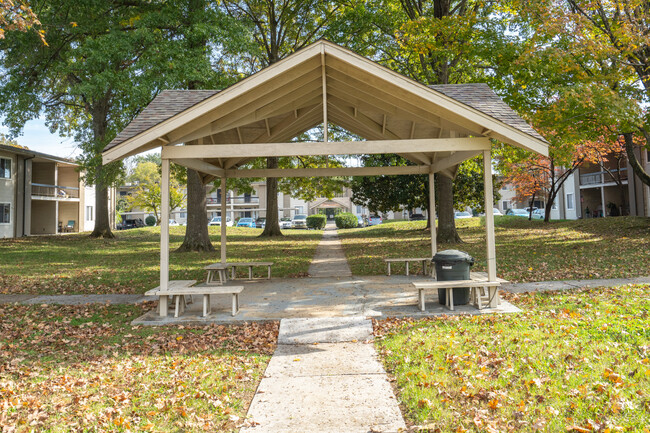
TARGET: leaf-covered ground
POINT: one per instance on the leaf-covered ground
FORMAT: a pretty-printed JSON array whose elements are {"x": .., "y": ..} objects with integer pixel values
[
  {"x": 576, "y": 361},
  {"x": 526, "y": 250},
  {"x": 83, "y": 368},
  {"x": 131, "y": 262}
]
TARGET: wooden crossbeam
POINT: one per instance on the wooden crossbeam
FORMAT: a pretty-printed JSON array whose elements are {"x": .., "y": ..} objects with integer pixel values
[
  {"x": 328, "y": 172},
  {"x": 333, "y": 148}
]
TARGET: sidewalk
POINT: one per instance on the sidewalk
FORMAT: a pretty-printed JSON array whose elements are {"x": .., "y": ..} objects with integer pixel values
[
  {"x": 325, "y": 376},
  {"x": 329, "y": 259}
]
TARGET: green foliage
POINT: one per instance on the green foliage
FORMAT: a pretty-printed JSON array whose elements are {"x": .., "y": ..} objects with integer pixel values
[
  {"x": 317, "y": 221},
  {"x": 150, "y": 220},
  {"x": 346, "y": 220},
  {"x": 147, "y": 197}
]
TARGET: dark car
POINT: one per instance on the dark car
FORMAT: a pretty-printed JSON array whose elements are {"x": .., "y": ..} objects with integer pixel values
[
  {"x": 417, "y": 217},
  {"x": 131, "y": 224},
  {"x": 260, "y": 222}
]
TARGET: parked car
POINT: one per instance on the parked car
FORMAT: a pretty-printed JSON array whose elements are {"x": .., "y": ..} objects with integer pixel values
[
  {"x": 517, "y": 212},
  {"x": 216, "y": 221},
  {"x": 299, "y": 222},
  {"x": 417, "y": 217},
  {"x": 497, "y": 212},
  {"x": 173, "y": 223},
  {"x": 131, "y": 224},
  {"x": 362, "y": 221},
  {"x": 285, "y": 223},
  {"x": 462, "y": 215},
  {"x": 374, "y": 220},
  {"x": 246, "y": 222},
  {"x": 260, "y": 222},
  {"x": 538, "y": 214}
]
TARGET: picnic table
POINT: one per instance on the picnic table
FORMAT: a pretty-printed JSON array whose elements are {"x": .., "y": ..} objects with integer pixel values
[{"x": 483, "y": 292}]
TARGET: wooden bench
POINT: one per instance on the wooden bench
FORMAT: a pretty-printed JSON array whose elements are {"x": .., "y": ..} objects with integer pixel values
[
  {"x": 478, "y": 282},
  {"x": 178, "y": 289},
  {"x": 425, "y": 261},
  {"x": 171, "y": 286},
  {"x": 219, "y": 269}
]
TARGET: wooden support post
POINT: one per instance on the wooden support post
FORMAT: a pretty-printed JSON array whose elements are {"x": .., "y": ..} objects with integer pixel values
[
  {"x": 489, "y": 216},
  {"x": 432, "y": 214},
  {"x": 164, "y": 236},
  {"x": 224, "y": 191}
]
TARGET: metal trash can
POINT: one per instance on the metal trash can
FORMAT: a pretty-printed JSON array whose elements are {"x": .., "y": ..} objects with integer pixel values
[{"x": 453, "y": 265}]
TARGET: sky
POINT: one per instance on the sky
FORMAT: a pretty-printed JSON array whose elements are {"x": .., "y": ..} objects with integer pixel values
[{"x": 36, "y": 136}]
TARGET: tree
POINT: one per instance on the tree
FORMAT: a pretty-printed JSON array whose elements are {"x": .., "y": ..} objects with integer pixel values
[
  {"x": 433, "y": 42},
  {"x": 18, "y": 16},
  {"x": 279, "y": 29},
  {"x": 97, "y": 73},
  {"x": 606, "y": 46},
  {"x": 147, "y": 196}
]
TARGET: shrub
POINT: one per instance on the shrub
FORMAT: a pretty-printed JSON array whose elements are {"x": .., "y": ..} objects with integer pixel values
[
  {"x": 346, "y": 220},
  {"x": 317, "y": 221},
  {"x": 150, "y": 220}
]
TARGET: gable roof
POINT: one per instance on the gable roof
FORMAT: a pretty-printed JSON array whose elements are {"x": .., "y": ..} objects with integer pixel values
[{"x": 268, "y": 100}]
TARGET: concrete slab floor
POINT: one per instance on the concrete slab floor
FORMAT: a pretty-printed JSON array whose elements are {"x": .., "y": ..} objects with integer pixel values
[
  {"x": 376, "y": 296},
  {"x": 324, "y": 387}
]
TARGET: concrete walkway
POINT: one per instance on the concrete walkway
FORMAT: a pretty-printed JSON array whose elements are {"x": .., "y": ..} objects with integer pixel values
[
  {"x": 324, "y": 376},
  {"x": 329, "y": 259}
]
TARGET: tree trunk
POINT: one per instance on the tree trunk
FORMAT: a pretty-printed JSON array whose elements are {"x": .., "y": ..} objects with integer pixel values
[
  {"x": 634, "y": 162},
  {"x": 447, "y": 233},
  {"x": 272, "y": 227},
  {"x": 530, "y": 207},
  {"x": 196, "y": 232},
  {"x": 102, "y": 222},
  {"x": 102, "y": 228}
]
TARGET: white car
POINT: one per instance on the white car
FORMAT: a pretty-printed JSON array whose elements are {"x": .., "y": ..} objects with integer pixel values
[
  {"x": 285, "y": 223},
  {"x": 216, "y": 221},
  {"x": 173, "y": 223},
  {"x": 497, "y": 212},
  {"x": 299, "y": 222},
  {"x": 462, "y": 215}
]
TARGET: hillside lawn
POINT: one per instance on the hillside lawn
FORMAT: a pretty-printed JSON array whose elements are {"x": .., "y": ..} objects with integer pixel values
[
  {"x": 526, "y": 250},
  {"x": 577, "y": 361},
  {"x": 130, "y": 263}
]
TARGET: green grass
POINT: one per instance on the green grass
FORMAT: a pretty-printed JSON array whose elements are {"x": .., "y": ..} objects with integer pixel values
[
  {"x": 526, "y": 250},
  {"x": 130, "y": 263},
  {"x": 577, "y": 361},
  {"x": 83, "y": 368}
]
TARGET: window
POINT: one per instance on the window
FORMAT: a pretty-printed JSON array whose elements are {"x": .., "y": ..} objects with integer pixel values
[
  {"x": 183, "y": 215},
  {"x": 299, "y": 210},
  {"x": 5, "y": 213},
  {"x": 359, "y": 210},
  {"x": 5, "y": 168},
  {"x": 505, "y": 204},
  {"x": 569, "y": 201},
  {"x": 89, "y": 213}
]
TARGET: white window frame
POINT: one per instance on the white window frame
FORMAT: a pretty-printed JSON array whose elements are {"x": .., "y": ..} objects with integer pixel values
[
  {"x": 2, "y": 176},
  {"x": 572, "y": 207},
  {"x": 90, "y": 213},
  {"x": 2, "y": 214}
]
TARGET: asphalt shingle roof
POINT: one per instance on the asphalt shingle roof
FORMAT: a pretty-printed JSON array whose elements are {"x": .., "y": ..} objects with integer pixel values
[
  {"x": 482, "y": 98},
  {"x": 166, "y": 105},
  {"x": 172, "y": 102}
]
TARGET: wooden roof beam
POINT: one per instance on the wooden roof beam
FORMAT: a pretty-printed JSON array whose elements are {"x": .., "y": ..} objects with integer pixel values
[{"x": 332, "y": 148}]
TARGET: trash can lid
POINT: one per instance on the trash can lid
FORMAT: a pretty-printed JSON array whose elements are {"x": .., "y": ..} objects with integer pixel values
[{"x": 452, "y": 256}]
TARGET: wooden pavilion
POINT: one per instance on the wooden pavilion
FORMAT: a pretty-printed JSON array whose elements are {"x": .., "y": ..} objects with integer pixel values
[{"x": 218, "y": 132}]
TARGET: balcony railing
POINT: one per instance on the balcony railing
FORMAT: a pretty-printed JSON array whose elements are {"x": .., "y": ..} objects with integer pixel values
[
  {"x": 54, "y": 191},
  {"x": 235, "y": 200},
  {"x": 602, "y": 177}
]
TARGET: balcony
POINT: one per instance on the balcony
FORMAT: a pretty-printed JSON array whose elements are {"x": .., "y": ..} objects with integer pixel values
[
  {"x": 54, "y": 192},
  {"x": 602, "y": 177},
  {"x": 241, "y": 200}
]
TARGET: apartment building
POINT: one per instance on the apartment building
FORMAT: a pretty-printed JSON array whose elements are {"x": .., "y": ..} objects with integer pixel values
[{"x": 42, "y": 194}]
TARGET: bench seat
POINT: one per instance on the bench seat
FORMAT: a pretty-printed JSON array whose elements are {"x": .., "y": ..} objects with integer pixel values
[
  {"x": 477, "y": 281},
  {"x": 425, "y": 261},
  {"x": 220, "y": 269},
  {"x": 178, "y": 289}
]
